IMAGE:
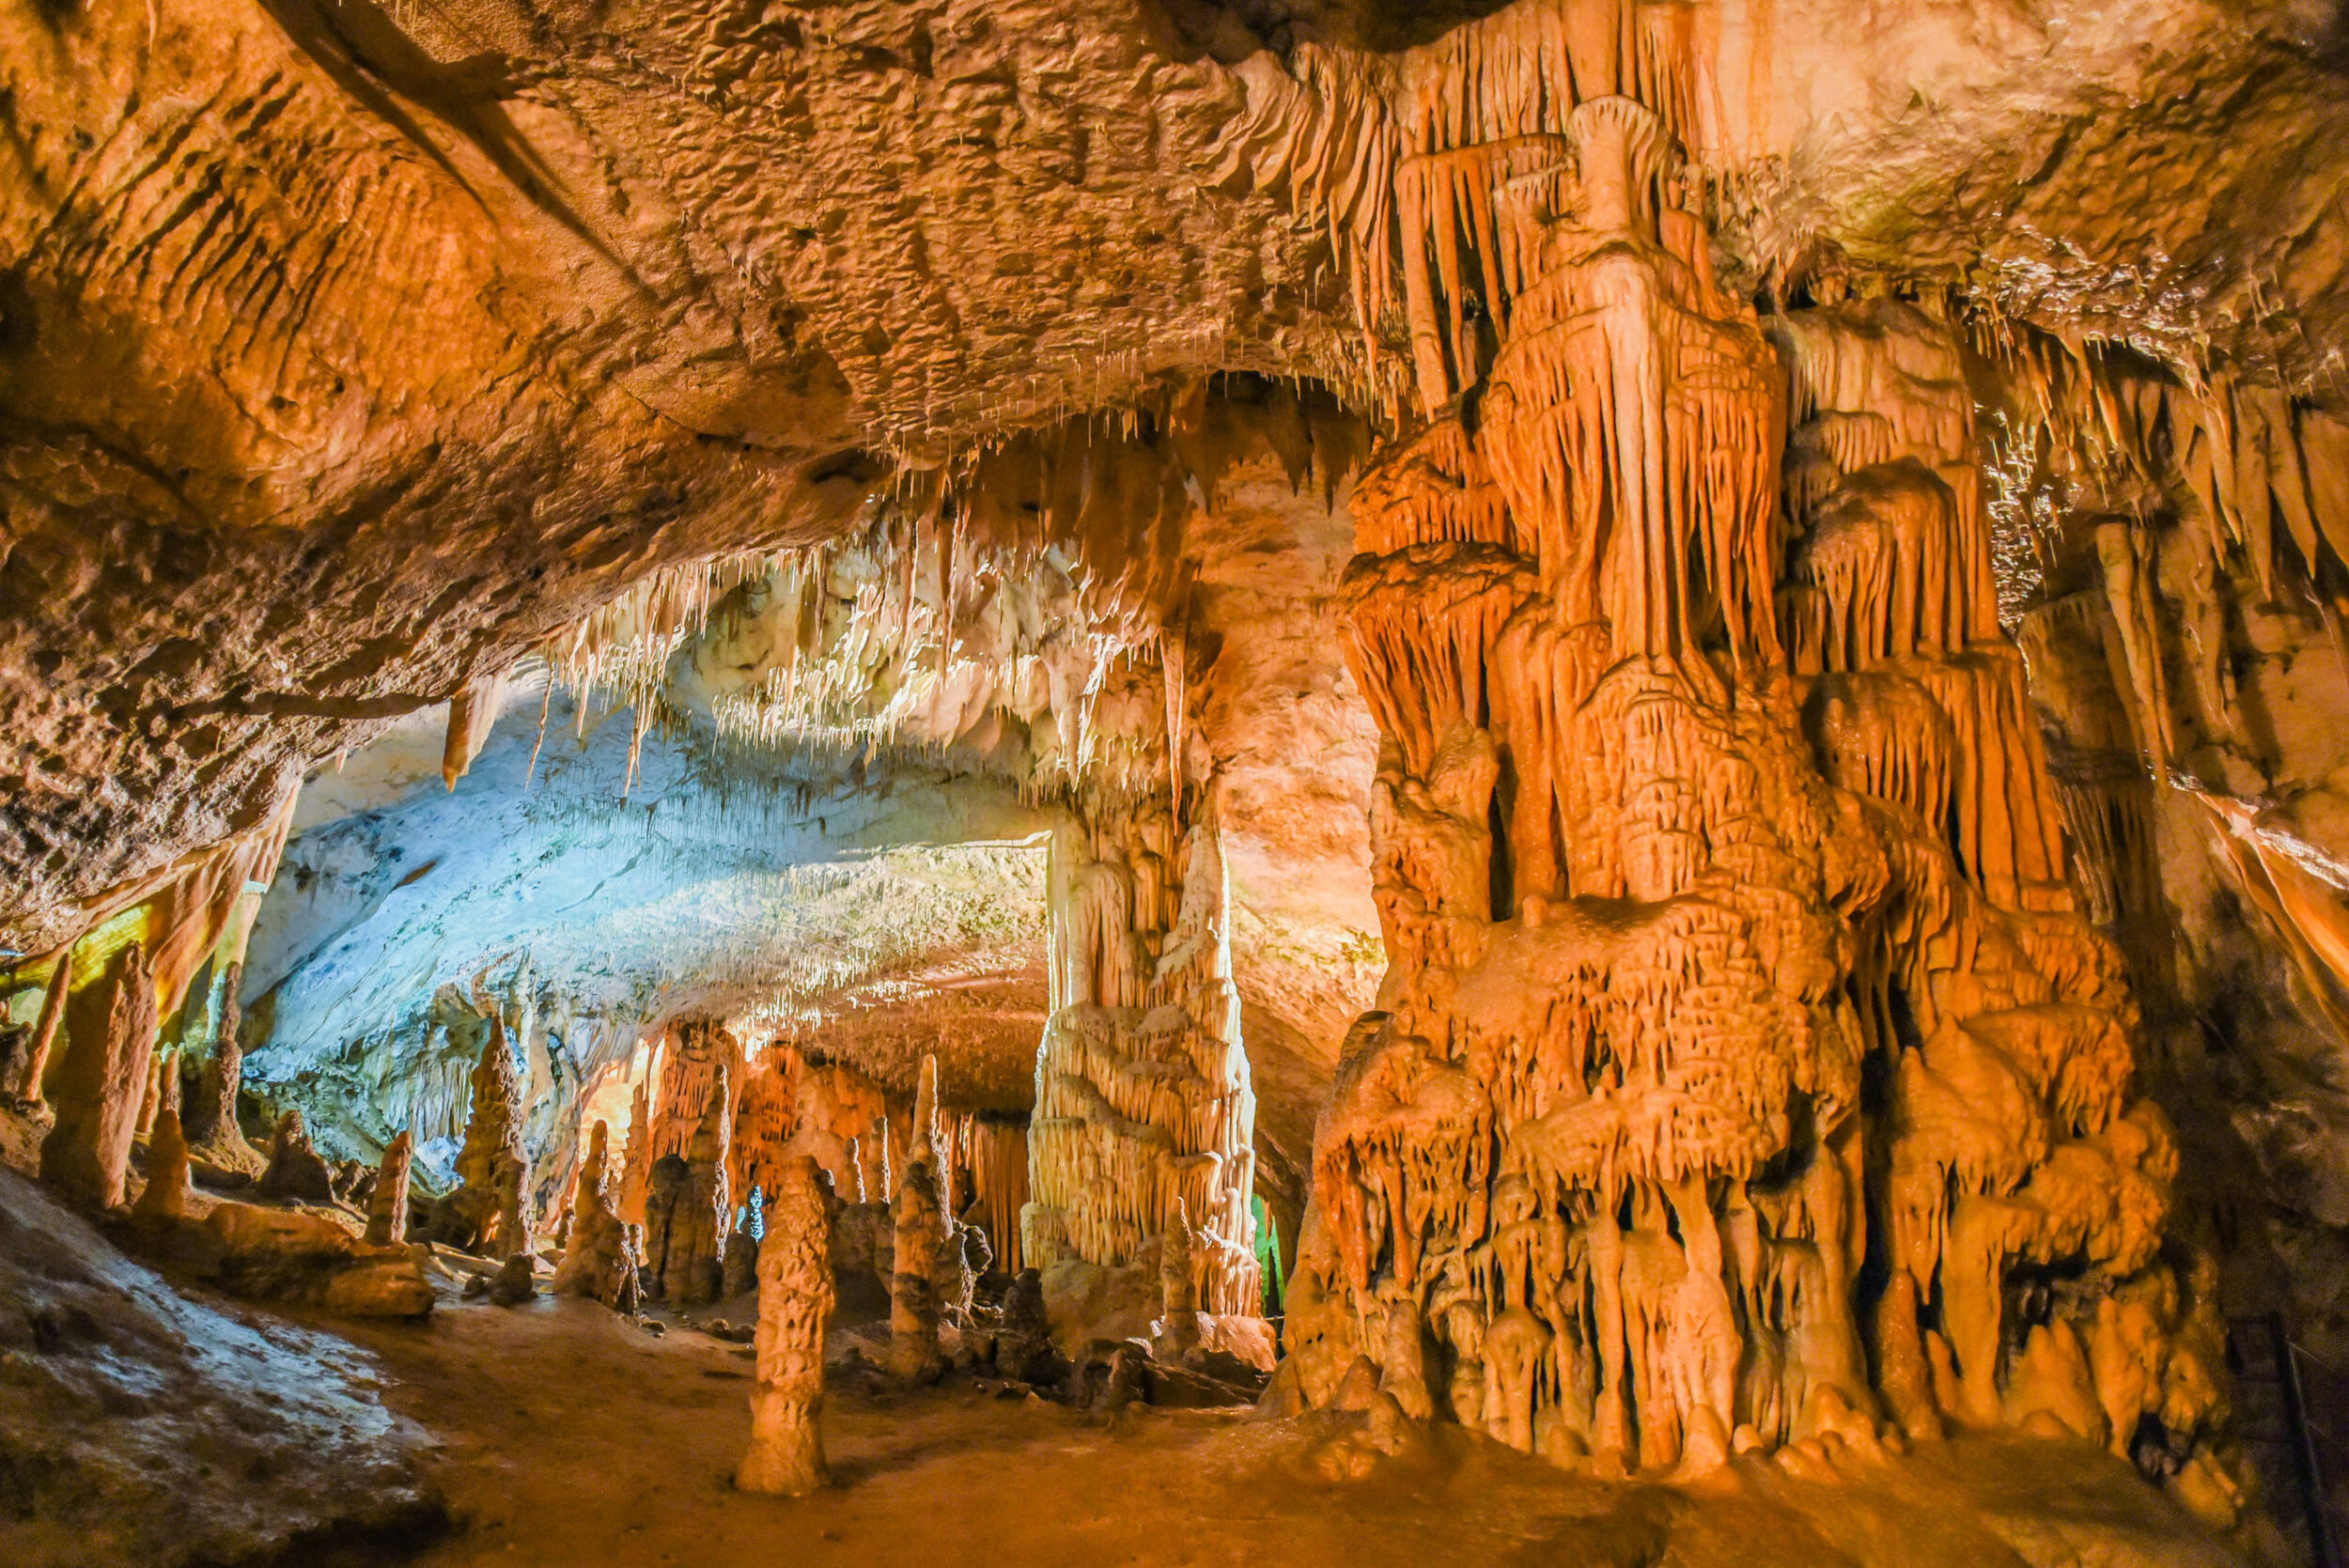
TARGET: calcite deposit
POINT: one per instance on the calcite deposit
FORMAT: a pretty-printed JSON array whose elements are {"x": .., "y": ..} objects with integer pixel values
[
  {"x": 100, "y": 1082},
  {"x": 486, "y": 1209},
  {"x": 1608, "y": 731},
  {"x": 787, "y": 1454}
]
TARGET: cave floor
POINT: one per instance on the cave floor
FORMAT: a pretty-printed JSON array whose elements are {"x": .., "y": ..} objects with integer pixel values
[{"x": 566, "y": 1435}]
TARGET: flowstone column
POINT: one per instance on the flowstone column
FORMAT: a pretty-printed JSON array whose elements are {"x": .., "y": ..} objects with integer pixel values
[
  {"x": 794, "y": 1297},
  {"x": 1144, "y": 1104},
  {"x": 110, "y": 1028},
  {"x": 1707, "y": 963}
]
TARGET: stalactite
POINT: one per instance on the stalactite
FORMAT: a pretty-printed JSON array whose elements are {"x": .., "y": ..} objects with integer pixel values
[{"x": 999, "y": 1181}]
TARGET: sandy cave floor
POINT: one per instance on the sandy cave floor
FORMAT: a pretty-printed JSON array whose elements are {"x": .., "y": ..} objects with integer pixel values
[{"x": 568, "y": 1435}]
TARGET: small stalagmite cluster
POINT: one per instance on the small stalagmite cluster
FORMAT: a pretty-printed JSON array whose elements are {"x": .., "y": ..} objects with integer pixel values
[
  {"x": 599, "y": 1261},
  {"x": 1743, "y": 1070}
]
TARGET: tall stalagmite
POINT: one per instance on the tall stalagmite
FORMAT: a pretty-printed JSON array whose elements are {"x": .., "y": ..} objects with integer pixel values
[
  {"x": 598, "y": 1261},
  {"x": 1142, "y": 1094},
  {"x": 110, "y": 1030},
  {"x": 1724, "y": 900},
  {"x": 484, "y": 1213},
  {"x": 388, "y": 1206},
  {"x": 795, "y": 1297},
  {"x": 208, "y": 1109},
  {"x": 913, "y": 1303},
  {"x": 34, "y": 1064}
]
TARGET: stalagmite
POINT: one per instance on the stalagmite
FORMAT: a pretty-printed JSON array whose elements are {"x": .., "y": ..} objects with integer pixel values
[
  {"x": 388, "y": 1206},
  {"x": 111, "y": 1037},
  {"x": 486, "y": 1209},
  {"x": 34, "y": 1064},
  {"x": 599, "y": 1260},
  {"x": 795, "y": 1301},
  {"x": 1178, "y": 1296},
  {"x": 952, "y": 1275},
  {"x": 914, "y": 1304},
  {"x": 209, "y": 1111},
  {"x": 636, "y": 1164},
  {"x": 165, "y": 1195},
  {"x": 1023, "y": 1344},
  {"x": 296, "y": 1170}
]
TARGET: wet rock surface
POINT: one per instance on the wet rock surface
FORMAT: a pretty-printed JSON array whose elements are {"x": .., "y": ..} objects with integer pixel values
[{"x": 139, "y": 1427}]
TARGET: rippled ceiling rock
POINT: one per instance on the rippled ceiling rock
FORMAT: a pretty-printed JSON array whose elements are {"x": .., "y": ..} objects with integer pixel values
[{"x": 347, "y": 350}]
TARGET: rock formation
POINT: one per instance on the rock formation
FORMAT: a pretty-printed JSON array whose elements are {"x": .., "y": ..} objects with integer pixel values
[
  {"x": 1024, "y": 1341},
  {"x": 516, "y": 1282},
  {"x": 1682, "y": 838},
  {"x": 165, "y": 1194},
  {"x": 485, "y": 1208},
  {"x": 296, "y": 1170},
  {"x": 1178, "y": 1293},
  {"x": 1142, "y": 1094},
  {"x": 33, "y": 1057},
  {"x": 920, "y": 1219},
  {"x": 388, "y": 1206},
  {"x": 209, "y": 1099},
  {"x": 688, "y": 1211},
  {"x": 109, "y": 1029},
  {"x": 795, "y": 1300},
  {"x": 1838, "y": 726},
  {"x": 598, "y": 1259}
]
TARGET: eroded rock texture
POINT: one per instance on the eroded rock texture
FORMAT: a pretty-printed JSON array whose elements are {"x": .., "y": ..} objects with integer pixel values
[{"x": 126, "y": 1401}]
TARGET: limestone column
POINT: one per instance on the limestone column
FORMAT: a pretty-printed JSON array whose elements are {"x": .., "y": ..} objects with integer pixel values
[
  {"x": 913, "y": 1307},
  {"x": 166, "y": 1196},
  {"x": 795, "y": 1297},
  {"x": 387, "y": 1206},
  {"x": 111, "y": 1030}
]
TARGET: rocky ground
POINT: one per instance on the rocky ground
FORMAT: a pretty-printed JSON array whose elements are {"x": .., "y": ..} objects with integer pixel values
[{"x": 141, "y": 1426}]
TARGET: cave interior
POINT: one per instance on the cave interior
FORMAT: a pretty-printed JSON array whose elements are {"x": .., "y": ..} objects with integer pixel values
[{"x": 1161, "y": 780}]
